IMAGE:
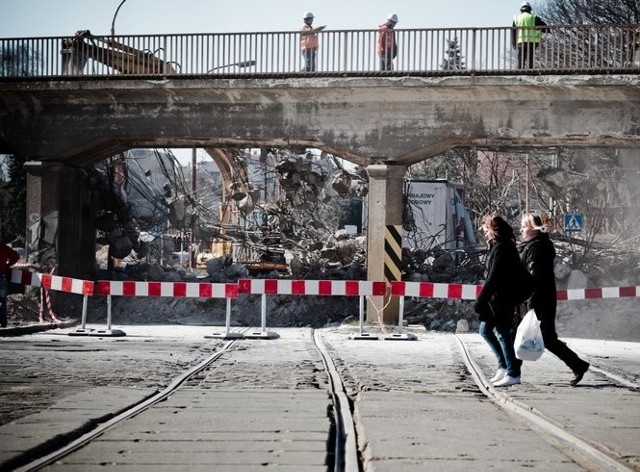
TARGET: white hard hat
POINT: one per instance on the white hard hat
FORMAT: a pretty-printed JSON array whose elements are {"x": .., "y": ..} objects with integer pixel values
[
  {"x": 393, "y": 17},
  {"x": 525, "y": 5},
  {"x": 308, "y": 15}
]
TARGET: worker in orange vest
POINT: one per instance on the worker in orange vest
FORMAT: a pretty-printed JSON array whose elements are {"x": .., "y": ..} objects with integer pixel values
[
  {"x": 309, "y": 42},
  {"x": 387, "y": 48}
]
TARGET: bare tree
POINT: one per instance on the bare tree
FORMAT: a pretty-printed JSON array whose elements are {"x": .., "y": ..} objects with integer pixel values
[{"x": 569, "y": 12}]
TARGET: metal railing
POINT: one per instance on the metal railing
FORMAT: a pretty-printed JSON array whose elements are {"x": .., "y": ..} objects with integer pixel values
[{"x": 455, "y": 51}]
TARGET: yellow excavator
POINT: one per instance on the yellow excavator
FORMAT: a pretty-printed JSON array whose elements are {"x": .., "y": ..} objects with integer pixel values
[{"x": 124, "y": 59}]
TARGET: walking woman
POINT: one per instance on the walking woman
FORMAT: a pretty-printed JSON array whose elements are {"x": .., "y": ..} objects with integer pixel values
[
  {"x": 495, "y": 303},
  {"x": 537, "y": 255}
]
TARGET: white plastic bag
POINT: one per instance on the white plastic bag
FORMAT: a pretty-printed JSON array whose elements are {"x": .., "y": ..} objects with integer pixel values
[{"x": 528, "y": 344}]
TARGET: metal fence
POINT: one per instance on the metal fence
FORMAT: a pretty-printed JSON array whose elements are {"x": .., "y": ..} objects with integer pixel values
[{"x": 455, "y": 51}]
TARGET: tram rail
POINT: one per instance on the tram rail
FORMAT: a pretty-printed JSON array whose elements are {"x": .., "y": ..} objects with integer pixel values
[
  {"x": 351, "y": 442},
  {"x": 592, "y": 457}
]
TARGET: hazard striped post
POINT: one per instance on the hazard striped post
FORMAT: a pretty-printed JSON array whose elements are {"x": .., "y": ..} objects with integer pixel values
[
  {"x": 393, "y": 273},
  {"x": 392, "y": 253}
]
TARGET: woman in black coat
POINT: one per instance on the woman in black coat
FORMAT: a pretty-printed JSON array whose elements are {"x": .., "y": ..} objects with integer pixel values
[
  {"x": 495, "y": 303},
  {"x": 537, "y": 255}
]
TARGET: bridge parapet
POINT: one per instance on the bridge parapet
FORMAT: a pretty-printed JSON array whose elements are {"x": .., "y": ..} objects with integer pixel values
[{"x": 564, "y": 49}]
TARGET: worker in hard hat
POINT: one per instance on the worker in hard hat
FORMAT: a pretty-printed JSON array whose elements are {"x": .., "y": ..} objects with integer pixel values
[
  {"x": 387, "y": 48},
  {"x": 309, "y": 42},
  {"x": 526, "y": 35}
]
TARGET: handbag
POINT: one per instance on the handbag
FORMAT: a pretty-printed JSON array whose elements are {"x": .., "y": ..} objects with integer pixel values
[{"x": 528, "y": 343}]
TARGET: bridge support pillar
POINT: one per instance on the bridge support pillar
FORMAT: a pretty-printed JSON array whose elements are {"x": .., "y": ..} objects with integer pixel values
[
  {"x": 60, "y": 231},
  {"x": 384, "y": 230}
]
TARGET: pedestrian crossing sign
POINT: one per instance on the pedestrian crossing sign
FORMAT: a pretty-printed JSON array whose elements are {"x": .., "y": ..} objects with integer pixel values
[{"x": 573, "y": 222}]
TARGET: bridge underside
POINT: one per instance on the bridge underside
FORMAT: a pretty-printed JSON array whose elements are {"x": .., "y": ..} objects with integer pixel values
[
  {"x": 384, "y": 124},
  {"x": 364, "y": 120}
]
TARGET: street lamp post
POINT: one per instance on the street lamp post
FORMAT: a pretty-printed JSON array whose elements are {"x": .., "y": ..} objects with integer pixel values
[{"x": 113, "y": 22}]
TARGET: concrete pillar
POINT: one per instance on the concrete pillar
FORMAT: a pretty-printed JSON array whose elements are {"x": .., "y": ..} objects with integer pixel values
[
  {"x": 385, "y": 205},
  {"x": 60, "y": 230}
]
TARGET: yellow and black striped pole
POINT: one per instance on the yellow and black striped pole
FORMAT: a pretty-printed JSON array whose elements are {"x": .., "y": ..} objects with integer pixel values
[{"x": 392, "y": 253}]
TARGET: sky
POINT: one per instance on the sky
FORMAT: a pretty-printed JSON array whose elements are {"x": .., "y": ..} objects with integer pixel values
[{"x": 35, "y": 18}]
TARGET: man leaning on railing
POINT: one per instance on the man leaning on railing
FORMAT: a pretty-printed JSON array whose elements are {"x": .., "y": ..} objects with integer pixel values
[{"x": 526, "y": 35}]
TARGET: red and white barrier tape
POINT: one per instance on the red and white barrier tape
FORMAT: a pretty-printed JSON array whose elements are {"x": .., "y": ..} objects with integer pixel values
[
  {"x": 470, "y": 292},
  {"x": 166, "y": 289},
  {"x": 285, "y": 287},
  {"x": 45, "y": 299},
  {"x": 52, "y": 282},
  {"x": 594, "y": 293},
  {"x": 435, "y": 290},
  {"x": 351, "y": 288}
]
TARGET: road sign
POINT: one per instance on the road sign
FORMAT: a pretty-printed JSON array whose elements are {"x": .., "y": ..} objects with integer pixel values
[{"x": 573, "y": 222}]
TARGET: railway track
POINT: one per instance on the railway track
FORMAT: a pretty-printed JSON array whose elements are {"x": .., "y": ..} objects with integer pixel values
[
  {"x": 591, "y": 456},
  {"x": 316, "y": 400}
]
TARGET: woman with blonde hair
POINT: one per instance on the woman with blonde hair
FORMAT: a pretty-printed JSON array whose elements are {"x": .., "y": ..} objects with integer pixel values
[
  {"x": 495, "y": 303},
  {"x": 537, "y": 254}
]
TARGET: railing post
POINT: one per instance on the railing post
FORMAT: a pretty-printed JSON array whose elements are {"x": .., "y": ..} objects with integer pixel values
[{"x": 473, "y": 52}]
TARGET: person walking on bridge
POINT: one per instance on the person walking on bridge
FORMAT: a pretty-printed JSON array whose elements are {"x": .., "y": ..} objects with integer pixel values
[
  {"x": 386, "y": 47},
  {"x": 526, "y": 35},
  {"x": 8, "y": 257},
  {"x": 537, "y": 254},
  {"x": 309, "y": 42}
]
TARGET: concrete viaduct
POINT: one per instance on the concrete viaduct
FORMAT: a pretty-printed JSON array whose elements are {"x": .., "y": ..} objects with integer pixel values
[{"x": 382, "y": 123}]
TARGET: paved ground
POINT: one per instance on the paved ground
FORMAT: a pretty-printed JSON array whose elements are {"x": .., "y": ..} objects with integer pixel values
[{"x": 264, "y": 404}]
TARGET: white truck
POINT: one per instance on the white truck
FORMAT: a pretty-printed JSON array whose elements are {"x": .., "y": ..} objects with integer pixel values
[{"x": 435, "y": 216}]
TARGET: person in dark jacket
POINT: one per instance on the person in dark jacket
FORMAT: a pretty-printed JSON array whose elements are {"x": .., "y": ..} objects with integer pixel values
[
  {"x": 537, "y": 254},
  {"x": 495, "y": 303},
  {"x": 527, "y": 35}
]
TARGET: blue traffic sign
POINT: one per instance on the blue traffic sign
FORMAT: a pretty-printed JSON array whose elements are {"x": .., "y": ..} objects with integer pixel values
[{"x": 573, "y": 222}]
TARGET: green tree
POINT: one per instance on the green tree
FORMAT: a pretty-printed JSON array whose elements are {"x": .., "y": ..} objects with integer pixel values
[{"x": 453, "y": 59}]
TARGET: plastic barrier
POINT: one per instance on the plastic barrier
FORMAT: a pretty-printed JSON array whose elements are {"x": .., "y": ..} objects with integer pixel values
[
  {"x": 432, "y": 290},
  {"x": 349, "y": 288},
  {"x": 470, "y": 292},
  {"x": 58, "y": 283},
  {"x": 593, "y": 293},
  {"x": 167, "y": 289}
]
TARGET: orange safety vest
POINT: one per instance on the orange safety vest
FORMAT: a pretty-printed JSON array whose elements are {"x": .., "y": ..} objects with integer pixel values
[
  {"x": 308, "y": 41},
  {"x": 386, "y": 39}
]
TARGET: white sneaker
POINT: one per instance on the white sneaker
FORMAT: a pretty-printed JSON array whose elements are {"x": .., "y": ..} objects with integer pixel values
[
  {"x": 506, "y": 381},
  {"x": 500, "y": 374}
]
